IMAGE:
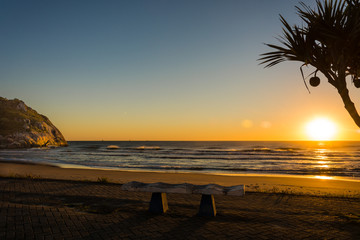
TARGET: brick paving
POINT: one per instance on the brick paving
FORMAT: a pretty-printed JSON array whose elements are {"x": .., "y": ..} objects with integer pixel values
[{"x": 49, "y": 209}]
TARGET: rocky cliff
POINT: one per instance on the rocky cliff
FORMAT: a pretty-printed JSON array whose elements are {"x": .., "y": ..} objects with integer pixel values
[{"x": 23, "y": 127}]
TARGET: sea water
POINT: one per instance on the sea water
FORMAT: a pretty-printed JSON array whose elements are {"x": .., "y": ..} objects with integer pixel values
[{"x": 340, "y": 159}]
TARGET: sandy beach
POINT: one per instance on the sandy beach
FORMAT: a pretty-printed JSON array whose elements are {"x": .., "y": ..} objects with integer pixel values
[
  {"x": 47, "y": 202},
  {"x": 36, "y": 202},
  {"x": 260, "y": 183}
]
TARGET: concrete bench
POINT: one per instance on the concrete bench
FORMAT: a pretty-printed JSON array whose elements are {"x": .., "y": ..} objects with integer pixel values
[{"x": 158, "y": 203}]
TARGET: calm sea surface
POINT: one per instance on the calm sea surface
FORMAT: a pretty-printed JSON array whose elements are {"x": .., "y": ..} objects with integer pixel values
[{"x": 340, "y": 159}]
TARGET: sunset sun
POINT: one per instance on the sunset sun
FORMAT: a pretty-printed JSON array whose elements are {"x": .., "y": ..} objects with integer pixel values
[{"x": 321, "y": 129}]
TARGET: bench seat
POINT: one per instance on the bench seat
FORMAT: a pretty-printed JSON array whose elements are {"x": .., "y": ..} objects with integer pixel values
[{"x": 158, "y": 203}]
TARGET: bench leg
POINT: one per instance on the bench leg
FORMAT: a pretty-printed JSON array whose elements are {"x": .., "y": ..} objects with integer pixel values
[
  {"x": 207, "y": 206},
  {"x": 158, "y": 203}
]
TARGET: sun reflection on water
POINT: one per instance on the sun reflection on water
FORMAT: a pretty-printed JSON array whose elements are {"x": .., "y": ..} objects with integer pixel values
[
  {"x": 320, "y": 151},
  {"x": 322, "y": 162},
  {"x": 324, "y": 177},
  {"x": 321, "y": 158},
  {"x": 323, "y": 166}
]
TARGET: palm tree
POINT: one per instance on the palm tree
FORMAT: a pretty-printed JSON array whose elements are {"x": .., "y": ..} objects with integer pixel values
[{"x": 329, "y": 41}]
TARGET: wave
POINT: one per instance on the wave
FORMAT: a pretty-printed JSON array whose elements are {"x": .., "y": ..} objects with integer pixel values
[
  {"x": 112, "y": 147},
  {"x": 148, "y": 148},
  {"x": 227, "y": 158}
]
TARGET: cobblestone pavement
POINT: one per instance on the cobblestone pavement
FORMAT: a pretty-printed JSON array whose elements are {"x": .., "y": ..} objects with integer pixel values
[{"x": 47, "y": 209}]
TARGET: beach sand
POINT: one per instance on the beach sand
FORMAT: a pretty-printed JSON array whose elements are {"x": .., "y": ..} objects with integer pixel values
[
  {"x": 260, "y": 183},
  {"x": 39, "y": 202}
]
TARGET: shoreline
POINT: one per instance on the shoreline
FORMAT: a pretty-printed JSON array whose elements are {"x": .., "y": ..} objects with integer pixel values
[
  {"x": 245, "y": 174},
  {"x": 300, "y": 185}
]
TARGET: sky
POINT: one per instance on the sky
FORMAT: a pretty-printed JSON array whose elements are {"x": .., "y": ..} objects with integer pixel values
[{"x": 160, "y": 70}]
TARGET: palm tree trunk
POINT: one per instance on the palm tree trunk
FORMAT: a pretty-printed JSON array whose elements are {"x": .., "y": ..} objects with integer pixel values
[{"x": 349, "y": 105}]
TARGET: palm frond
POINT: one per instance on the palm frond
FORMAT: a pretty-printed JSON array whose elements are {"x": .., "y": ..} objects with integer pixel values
[{"x": 328, "y": 40}]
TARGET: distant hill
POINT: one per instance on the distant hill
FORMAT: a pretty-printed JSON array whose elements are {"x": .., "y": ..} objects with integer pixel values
[{"x": 23, "y": 127}]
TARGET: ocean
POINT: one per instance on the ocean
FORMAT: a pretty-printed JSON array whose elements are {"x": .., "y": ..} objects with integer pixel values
[{"x": 305, "y": 158}]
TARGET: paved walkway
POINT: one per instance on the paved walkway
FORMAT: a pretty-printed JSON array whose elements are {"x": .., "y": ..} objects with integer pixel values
[{"x": 46, "y": 209}]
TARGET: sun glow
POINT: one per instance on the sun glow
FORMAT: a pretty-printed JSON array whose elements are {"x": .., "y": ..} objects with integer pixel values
[{"x": 321, "y": 129}]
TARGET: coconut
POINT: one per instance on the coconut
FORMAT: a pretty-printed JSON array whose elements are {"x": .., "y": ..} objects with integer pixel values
[
  {"x": 314, "y": 81},
  {"x": 357, "y": 82}
]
